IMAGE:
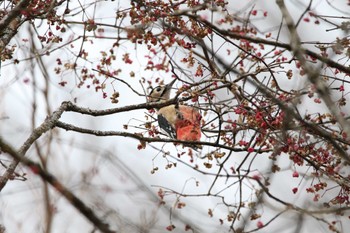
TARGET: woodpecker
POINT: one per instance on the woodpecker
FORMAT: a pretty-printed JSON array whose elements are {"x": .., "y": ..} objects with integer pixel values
[{"x": 178, "y": 121}]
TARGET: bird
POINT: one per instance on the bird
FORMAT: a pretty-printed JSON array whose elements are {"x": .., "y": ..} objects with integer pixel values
[{"x": 179, "y": 121}]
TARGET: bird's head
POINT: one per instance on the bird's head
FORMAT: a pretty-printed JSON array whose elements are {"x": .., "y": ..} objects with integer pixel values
[{"x": 161, "y": 93}]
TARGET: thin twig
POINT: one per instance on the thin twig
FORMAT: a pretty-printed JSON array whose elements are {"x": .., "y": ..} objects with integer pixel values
[{"x": 139, "y": 136}]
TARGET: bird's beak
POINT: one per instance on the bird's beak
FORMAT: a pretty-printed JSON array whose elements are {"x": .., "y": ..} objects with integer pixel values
[{"x": 170, "y": 85}]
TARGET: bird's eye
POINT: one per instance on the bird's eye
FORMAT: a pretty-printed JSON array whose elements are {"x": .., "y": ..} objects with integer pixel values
[{"x": 158, "y": 89}]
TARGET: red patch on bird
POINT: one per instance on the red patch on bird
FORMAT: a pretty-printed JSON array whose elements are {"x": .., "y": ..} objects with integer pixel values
[
  {"x": 187, "y": 131},
  {"x": 188, "y": 126}
]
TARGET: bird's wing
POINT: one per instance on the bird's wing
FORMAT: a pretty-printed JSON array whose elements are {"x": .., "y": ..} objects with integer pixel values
[{"x": 165, "y": 125}]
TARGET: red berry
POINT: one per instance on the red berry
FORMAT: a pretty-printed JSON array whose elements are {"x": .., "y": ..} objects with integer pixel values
[
  {"x": 294, "y": 190},
  {"x": 260, "y": 224},
  {"x": 295, "y": 174}
]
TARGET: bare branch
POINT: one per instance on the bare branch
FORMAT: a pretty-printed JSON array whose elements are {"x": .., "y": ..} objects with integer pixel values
[
  {"x": 47, "y": 125},
  {"x": 11, "y": 22},
  {"x": 56, "y": 184},
  {"x": 139, "y": 136}
]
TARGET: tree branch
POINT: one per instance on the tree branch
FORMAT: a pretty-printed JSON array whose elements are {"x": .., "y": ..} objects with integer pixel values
[
  {"x": 257, "y": 40},
  {"x": 322, "y": 133},
  {"x": 48, "y": 124},
  {"x": 312, "y": 73},
  {"x": 138, "y": 136},
  {"x": 10, "y": 23},
  {"x": 15, "y": 12},
  {"x": 55, "y": 183}
]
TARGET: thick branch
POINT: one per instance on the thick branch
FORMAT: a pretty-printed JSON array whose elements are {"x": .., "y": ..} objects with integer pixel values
[
  {"x": 86, "y": 111},
  {"x": 15, "y": 12},
  {"x": 10, "y": 23},
  {"x": 55, "y": 183},
  {"x": 37, "y": 132}
]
